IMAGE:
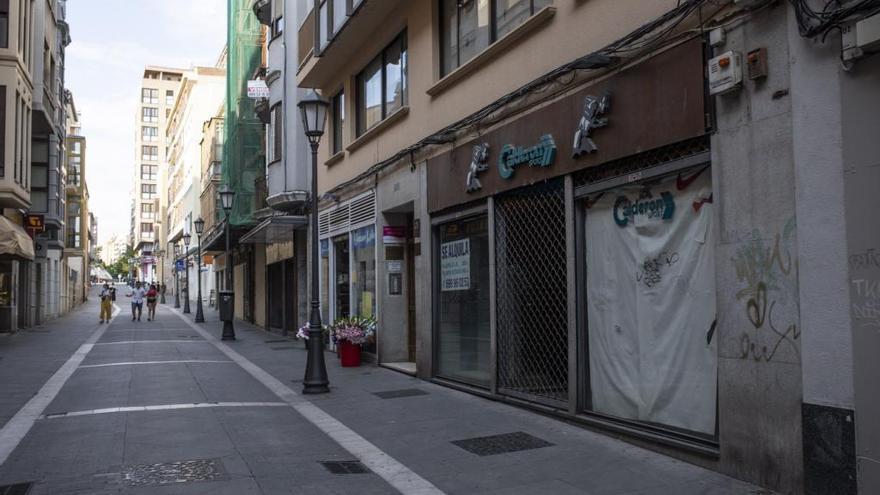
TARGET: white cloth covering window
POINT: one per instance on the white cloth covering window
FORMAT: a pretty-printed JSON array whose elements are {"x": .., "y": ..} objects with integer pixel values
[{"x": 651, "y": 302}]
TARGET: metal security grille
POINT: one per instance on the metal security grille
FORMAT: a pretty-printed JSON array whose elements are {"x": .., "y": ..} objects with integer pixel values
[
  {"x": 531, "y": 294},
  {"x": 642, "y": 161}
]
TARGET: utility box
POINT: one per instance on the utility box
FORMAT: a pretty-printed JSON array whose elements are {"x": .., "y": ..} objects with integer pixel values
[
  {"x": 725, "y": 73},
  {"x": 227, "y": 305}
]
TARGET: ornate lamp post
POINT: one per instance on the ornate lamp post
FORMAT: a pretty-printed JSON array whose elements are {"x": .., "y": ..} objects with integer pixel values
[
  {"x": 314, "y": 114},
  {"x": 161, "y": 254},
  {"x": 199, "y": 225},
  {"x": 176, "y": 277},
  {"x": 186, "y": 239},
  {"x": 227, "y": 295}
]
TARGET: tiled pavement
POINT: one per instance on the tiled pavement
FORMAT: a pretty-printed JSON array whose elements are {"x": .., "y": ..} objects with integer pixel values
[{"x": 260, "y": 444}]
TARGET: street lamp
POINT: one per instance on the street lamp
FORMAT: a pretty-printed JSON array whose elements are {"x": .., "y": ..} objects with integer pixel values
[
  {"x": 186, "y": 239},
  {"x": 314, "y": 114},
  {"x": 176, "y": 277},
  {"x": 161, "y": 254},
  {"x": 199, "y": 225},
  {"x": 227, "y": 295}
]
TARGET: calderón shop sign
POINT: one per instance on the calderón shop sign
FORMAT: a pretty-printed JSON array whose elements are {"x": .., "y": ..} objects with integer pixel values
[{"x": 611, "y": 119}]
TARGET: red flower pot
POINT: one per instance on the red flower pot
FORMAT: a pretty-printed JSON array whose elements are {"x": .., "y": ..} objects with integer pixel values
[{"x": 349, "y": 354}]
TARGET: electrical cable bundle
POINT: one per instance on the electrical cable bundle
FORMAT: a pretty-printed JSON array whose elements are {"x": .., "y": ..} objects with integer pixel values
[
  {"x": 627, "y": 46},
  {"x": 813, "y": 23}
]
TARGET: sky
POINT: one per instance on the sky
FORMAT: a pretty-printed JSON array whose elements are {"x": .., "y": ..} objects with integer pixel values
[{"x": 112, "y": 42}]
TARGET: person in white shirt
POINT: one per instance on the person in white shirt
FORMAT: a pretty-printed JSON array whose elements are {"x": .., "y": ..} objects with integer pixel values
[{"x": 137, "y": 301}]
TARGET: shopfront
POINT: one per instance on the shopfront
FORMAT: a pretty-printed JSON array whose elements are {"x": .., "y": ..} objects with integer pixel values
[
  {"x": 348, "y": 262},
  {"x": 574, "y": 251}
]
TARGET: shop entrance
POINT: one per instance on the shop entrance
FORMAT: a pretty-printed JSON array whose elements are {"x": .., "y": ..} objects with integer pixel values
[
  {"x": 531, "y": 293},
  {"x": 341, "y": 273},
  {"x": 281, "y": 282}
]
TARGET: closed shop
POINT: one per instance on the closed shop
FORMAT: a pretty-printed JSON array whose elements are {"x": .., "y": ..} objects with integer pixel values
[{"x": 574, "y": 252}]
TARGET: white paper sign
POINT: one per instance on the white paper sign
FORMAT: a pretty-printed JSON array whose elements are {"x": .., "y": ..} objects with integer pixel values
[
  {"x": 257, "y": 89},
  {"x": 455, "y": 265}
]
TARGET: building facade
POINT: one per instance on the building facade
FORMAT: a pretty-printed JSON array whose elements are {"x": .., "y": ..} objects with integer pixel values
[
  {"x": 157, "y": 95},
  {"x": 603, "y": 222},
  {"x": 77, "y": 232},
  {"x": 47, "y": 144},
  {"x": 199, "y": 95}
]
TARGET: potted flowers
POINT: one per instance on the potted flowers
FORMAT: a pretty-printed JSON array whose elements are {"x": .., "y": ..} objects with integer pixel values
[{"x": 349, "y": 334}]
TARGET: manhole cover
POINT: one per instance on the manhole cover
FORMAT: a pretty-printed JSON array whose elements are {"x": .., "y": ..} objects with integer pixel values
[
  {"x": 16, "y": 489},
  {"x": 501, "y": 444},
  {"x": 345, "y": 467},
  {"x": 396, "y": 394},
  {"x": 173, "y": 472}
]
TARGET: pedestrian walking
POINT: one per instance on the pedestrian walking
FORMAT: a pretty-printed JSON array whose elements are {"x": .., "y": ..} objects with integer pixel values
[
  {"x": 106, "y": 296},
  {"x": 137, "y": 301},
  {"x": 152, "y": 294}
]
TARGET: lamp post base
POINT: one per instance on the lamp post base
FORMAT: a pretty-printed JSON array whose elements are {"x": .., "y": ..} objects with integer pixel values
[
  {"x": 316, "y": 381},
  {"x": 176, "y": 301},
  {"x": 186, "y": 310},
  {"x": 200, "y": 316},
  {"x": 228, "y": 331}
]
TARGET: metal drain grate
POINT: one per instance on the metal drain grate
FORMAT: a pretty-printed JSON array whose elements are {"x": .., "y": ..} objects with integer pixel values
[
  {"x": 501, "y": 444},
  {"x": 282, "y": 348},
  {"x": 345, "y": 467},
  {"x": 275, "y": 341},
  {"x": 16, "y": 489},
  {"x": 173, "y": 472},
  {"x": 396, "y": 394}
]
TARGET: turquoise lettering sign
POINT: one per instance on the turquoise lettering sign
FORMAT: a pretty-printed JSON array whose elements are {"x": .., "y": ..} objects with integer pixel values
[
  {"x": 626, "y": 211},
  {"x": 540, "y": 155}
]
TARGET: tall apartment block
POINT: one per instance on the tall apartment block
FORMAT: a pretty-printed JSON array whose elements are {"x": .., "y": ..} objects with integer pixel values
[
  {"x": 16, "y": 93},
  {"x": 157, "y": 95}
]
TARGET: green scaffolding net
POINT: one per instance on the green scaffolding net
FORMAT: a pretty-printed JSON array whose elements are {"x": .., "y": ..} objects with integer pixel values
[{"x": 243, "y": 154}]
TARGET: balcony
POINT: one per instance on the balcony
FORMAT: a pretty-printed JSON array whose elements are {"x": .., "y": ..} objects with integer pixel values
[{"x": 347, "y": 38}]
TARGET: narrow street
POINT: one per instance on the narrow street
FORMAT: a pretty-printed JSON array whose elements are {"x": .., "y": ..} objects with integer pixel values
[{"x": 164, "y": 407}]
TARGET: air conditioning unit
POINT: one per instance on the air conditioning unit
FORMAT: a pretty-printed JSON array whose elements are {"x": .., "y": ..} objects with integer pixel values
[
  {"x": 725, "y": 73},
  {"x": 860, "y": 38}
]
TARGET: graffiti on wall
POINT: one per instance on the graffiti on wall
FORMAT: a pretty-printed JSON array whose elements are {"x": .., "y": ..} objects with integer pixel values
[
  {"x": 866, "y": 302},
  {"x": 767, "y": 272}
]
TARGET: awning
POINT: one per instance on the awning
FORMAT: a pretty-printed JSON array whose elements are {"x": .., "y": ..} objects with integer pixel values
[
  {"x": 275, "y": 229},
  {"x": 14, "y": 241}
]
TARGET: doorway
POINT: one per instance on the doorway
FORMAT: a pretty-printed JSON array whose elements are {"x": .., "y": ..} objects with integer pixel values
[{"x": 341, "y": 252}]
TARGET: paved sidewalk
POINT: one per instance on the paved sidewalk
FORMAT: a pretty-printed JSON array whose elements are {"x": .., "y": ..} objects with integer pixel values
[{"x": 155, "y": 407}]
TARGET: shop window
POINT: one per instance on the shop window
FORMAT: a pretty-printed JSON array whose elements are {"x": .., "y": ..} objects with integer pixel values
[
  {"x": 8, "y": 269},
  {"x": 382, "y": 85},
  {"x": 650, "y": 302},
  {"x": 463, "y": 309},
  {"x": 363, "y": 275},
  {"x": 469, "y": 27},
  {"x": 325, "y": 282}
]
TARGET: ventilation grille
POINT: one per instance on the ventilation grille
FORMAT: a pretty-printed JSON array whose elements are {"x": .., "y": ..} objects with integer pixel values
[{"x": 345, "y": 216}]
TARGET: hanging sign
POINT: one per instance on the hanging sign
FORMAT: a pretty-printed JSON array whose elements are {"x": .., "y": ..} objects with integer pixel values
[
  {"x": 455, "y": 265},
  {"x": 257, "y": 89}
]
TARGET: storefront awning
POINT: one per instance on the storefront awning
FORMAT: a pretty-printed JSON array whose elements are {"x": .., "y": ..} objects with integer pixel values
[
  {"x": 14, "y": 241},
  {"x": 275, "y": 229}
]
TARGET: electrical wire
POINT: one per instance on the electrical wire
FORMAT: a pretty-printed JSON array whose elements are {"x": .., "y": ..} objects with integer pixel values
[
  {"x": 813, "y": 23},
  {"x": 646, "y": 36}
]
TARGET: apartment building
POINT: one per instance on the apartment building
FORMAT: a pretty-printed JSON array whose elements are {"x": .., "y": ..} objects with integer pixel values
[
  {"x": 209, "y": 198},
  {"x": 16, "y": 97},
  {"x": 47, "y": 149},
  {"x": 75, "y": 286},
  {"x": 602, "y": 234},
  {"x": 283, "y": 233},
  {"x": 157, "y": 96},
  {"x": 200, "y": 94}
]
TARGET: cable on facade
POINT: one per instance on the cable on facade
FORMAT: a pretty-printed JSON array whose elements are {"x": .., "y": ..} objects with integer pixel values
[
  {"x": 646, "y": 36},
  {"x": 813, "y": 23}
]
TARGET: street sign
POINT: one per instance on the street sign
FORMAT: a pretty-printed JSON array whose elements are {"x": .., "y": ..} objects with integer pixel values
[
  {"x": 257, "y": 89},
  {"x": 178, "y": 265}
]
